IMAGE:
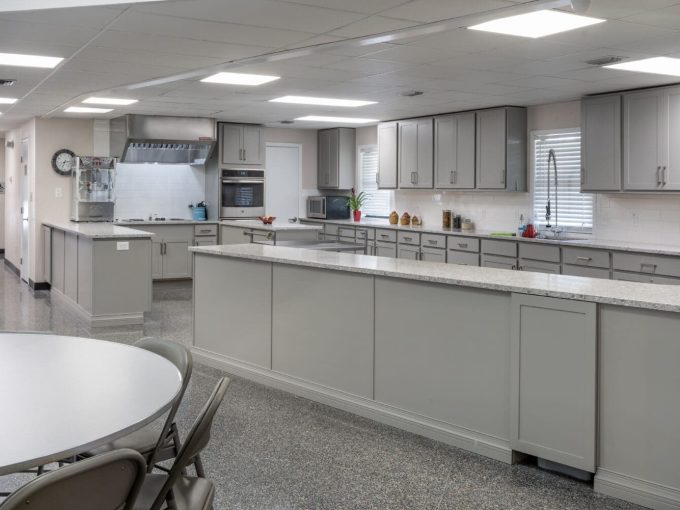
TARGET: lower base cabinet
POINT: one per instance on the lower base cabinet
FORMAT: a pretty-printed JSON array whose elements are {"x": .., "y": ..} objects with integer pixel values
[
  {"x": 463, "y": 258},
  {"x": 408, "y": 252},
  {"x": 170, "y": 256},
  {"x": 383, "y": 249},
  {"x": 554, "y": 379},
  {"x": 433, "y": 254}
]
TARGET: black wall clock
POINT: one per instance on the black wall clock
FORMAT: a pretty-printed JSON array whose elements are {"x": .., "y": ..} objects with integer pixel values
[{"x": 62, "y": 161}]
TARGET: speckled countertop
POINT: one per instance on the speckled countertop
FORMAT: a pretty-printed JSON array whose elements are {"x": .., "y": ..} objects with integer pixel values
[
  {"x": 98, "y": 230},
  {"x": 637, "y": 295},
  {"x": 277, "y": 226},
  {"x": 582, "y": 241},
  {"x": 164, "y": 222}
]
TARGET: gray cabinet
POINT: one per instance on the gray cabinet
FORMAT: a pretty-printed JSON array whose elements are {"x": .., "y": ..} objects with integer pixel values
[
  {"x": 387, "y": 155},
  {"x": 432, "y": 254},
  {"x": 385, "y": 249},
  {"x": 170, "y": 255},
  {"x": 241, "y": 144},
  {"x": 538, "y": 266},
  {"x": 501, "y": 149},
  {"x": 176, "y": 259},
  {"x": 601, "y": 143},
  {"x": 47, "y": 253},
  {"x": 554, "y": 379},
  {"x": 58, "y": 251},
  {"x": 408, "y": 251},
  {"x": 156, "y": 259},
  {"x": 643, "y": 139},
  {"x": 499, "y": 262},
  {"x": 336, "y": 158},
  {"x": 454, "y": 151},
  {"x": 415, "y": 150}
]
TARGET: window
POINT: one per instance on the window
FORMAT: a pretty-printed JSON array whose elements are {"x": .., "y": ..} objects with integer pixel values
[
  {"x": 378, "y": 201},
  {"x": 571, "y": 209}
]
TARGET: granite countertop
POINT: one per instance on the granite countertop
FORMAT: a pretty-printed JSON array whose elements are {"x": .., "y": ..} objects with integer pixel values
[
  {"x": 630, "y": 294},
  {"x": 164, "y": 222},
  {"x": 589, "y": 242},
  {"x": 277, "y": 226},
  {"x": 98, "y": 230}
]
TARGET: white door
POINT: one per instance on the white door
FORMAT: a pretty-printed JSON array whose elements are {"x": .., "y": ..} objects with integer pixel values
[
  {"x": 25, "y": 202},
  {"x": 282, "y": 193}
]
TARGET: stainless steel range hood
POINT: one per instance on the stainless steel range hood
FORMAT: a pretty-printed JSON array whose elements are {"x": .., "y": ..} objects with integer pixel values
[{"x": 162, "y": 139}]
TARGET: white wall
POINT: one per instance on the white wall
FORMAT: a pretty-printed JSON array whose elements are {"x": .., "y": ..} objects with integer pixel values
[{"x": 164, "y": 190}]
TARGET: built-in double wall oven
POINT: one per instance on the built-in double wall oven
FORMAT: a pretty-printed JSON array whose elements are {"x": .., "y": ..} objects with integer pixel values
[{"x": 242, "y": 193}]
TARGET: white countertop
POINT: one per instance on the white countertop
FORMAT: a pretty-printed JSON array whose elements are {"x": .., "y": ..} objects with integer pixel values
[
  {"x": 637, "y": 295},
  {"x": 164, "y": 222},
  {"x": 589, "y": 242},
  {"x": 277, "y": 226},
  {"x": 98, "y": 230}
]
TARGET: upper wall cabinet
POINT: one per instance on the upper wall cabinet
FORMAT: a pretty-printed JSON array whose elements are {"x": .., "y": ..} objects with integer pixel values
[
  {"x": 454, "y": 151},
  {"x": 415, "y": 153},
  {"x": 241, "y": 144},
  {"x": 387, "y": 155},
  {"x": 601, "y": 143},
  {"x": 336, "y": 158},
  {"x": 501, "y": 149}
]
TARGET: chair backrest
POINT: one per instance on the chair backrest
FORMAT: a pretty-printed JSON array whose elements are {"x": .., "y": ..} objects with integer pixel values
[
  {"x": 179, "y": 356},
  {"x": 110, "y": 481},
  {"x": 197, "y": 439}
]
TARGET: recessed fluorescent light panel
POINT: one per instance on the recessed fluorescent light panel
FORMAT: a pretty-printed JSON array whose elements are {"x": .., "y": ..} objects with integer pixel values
[
  {"x": 87, "y": 109},
  {"x": 19, "y": 60},
  {"x": 321, "y": 101},
  {"x": 338, "y": 120},
  {"x": 110, "y": 100},
  {"x": 239, "y": 79},
  {"x": 537, "y": 24},
  {"x": 655, "y": 65},
  {"x": 8, "y": 100}
]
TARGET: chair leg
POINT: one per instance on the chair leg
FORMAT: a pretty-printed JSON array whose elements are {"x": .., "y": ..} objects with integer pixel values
[{"x": 198, "y": 465}]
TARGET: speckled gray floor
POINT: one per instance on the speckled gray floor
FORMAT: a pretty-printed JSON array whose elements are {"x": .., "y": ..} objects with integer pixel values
[{"x": 271, "y": 450}]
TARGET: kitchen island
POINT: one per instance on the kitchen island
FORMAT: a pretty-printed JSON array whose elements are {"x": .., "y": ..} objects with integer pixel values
[
  {"x": 576, "y": 371},
  {"x": 100, "y": 271},
  {"x": 254, "y": 231}
]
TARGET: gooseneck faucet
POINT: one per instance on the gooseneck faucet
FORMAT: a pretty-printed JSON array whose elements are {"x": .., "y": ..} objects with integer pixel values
[{"x": 548, "y": 211}]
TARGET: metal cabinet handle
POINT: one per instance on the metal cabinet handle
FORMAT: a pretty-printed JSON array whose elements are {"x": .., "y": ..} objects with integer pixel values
[
  {"x": 451, "y": 177},
  {"x": 432, "y": 241},
  {"x": 658, "y": 176},
  {"x": 377, "y": 178},
  {"x": 648, "y": 264},
  {"x": 585, "y": 260},
  {"x": 664, "y": 176},
  {"x": 408, "y": 239},
  {"x": 384, "y": 236},
  {"x": 514, "y": 267},
  {"x": 455, "y": 177},
  {"x": 244, "y": 155},
  {"x": 520, "y": 268},
  {"x": 416, "y": 177},
  {"x": 583, "y": 175},
  {"x": 463, "y": 245},
  {"x": 503, "y": 176}
]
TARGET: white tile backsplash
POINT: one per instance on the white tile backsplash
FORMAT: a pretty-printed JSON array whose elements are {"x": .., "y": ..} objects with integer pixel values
[{"x": 165, "y": 190}]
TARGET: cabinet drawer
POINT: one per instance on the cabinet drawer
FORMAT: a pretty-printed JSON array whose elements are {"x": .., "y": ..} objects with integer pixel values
[
  {"x": 544, "y": 252},
  {"x": 589, "y": 272},
  {"x": 585, "y": 257},
  {"x": 363, "y": 233},
  {"x": 346, "y": 232},
  {"x": 408, "y": 238},
  {"x": 386, "y": 235},
  {"x": 205, "y": 230},
  {"x": 433, "y": 240},
  {"x": 331, "y": 230},
  {"x": 504, "y": 248},
  {"x": 499, "y": 262},
  {"x": 650, "y": 264},
  {"x": 645, "y": 278},
  {"x": 463, "y": 243},
  {"x": 205, "y": 241},
  {"x": 463, "y": 258},
  {"x": 538, "y": 266}
]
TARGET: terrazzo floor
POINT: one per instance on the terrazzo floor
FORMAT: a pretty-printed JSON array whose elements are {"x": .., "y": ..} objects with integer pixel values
[{"x": 271, "y": 450}]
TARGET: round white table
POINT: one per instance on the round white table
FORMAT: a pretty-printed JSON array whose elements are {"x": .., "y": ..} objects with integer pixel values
[{"x": 60, "y": 396}]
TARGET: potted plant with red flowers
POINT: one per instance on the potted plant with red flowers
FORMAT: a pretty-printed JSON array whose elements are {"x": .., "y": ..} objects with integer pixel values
[{"x": 354, "y": 202}]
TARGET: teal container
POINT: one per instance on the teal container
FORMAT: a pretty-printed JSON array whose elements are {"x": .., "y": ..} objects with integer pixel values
[{"x": 198, "y": 213}]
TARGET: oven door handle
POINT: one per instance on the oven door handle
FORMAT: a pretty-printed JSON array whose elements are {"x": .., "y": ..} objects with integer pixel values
[{"x": 242, "y": 181}]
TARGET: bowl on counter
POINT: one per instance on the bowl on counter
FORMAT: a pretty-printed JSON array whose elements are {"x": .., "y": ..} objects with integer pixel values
[{"x": 266, "y": 220}]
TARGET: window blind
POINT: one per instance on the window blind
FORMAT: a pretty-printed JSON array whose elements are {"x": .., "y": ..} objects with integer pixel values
[
  {"x": 571, "y": 209},
  {"x": 378, "y": 201}
]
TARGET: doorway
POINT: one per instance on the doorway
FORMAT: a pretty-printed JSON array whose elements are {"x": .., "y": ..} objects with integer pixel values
[
  {"x": 25, "y": 203},
  {"x": 282, "y": 186}
]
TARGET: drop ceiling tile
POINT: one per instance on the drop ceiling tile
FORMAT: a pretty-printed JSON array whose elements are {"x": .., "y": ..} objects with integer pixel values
[
  {"x": 359, "y": 50},
  {"x": 144, "y": 57},
  {"x": 546, "y": 82},
  {"x": 435, "y": 10},
  {"x": 367, "y": 65},
  {"x": 410, "y": 54},
  {"x": 611, "y": 34},
  {"x": 617, "y": 9},
  {"x": 75, "y": 17},
  {"x": 371, "y": 25},
  {"x": 361, "y": 6}
]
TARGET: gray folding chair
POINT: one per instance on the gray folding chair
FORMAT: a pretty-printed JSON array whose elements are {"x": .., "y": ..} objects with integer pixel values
[
  {"x": 155, "y": 446},
  {"x": 179, "y": 491},
  {"x": 110, "y": 481}
]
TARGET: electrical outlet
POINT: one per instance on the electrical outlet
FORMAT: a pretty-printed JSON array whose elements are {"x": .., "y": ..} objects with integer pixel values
[{"x": 58, "y": 192}]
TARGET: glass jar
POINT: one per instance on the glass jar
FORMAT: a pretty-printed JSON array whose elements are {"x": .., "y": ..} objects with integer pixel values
[{"x": 446, "y": 219}]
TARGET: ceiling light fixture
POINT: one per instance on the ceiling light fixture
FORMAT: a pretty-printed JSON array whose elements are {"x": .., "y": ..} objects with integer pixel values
[
  {"x": 8, "y": 100},
  {"x": 19, "y": 60},
  {"x": 655, "y": 65},
  {"x": 338, "y": 120},
  {"x": 86, "y": 109},
  {"x": 239, "y": 79},
  {"x": 321, "y": 101},
  {"x": 110, "y": 100},
  {"x": 537, "y": 24}
]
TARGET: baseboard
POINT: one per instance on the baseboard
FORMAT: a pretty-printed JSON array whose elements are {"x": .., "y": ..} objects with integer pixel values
[
  {"x": 123, "y": 319},
  {"x": 465, "y": 439},
  {"x": 635, "y": 490},
  {"x": 12, "y": 267},
  {"x": 38, "y": 285}
]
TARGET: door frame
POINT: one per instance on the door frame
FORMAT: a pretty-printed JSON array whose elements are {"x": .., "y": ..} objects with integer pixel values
[
  {"x": 24, "y": 192},
  {"x": 301, "y": 199}
]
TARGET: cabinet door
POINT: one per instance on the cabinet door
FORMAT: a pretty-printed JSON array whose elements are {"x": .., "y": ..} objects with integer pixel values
[
  {"x": 642, "y": 143},
  {"x": 252, "y": 144},
  {"x": 416, "y": 156},
  {"x": 454, "y": 151},
  {"x": 670, "y": 176},
  {"x": 333, "y": 158},
  {"x": 387, "y": 155},
  {"x": 47, "y": 254},
  {"x": 491, "y": 149},
  {"x": 58, "y": 263},
  {"x": 176, "y": 259},
  {"x": 554, "y": 379},
  {"x": 385, "y": 250},
  {"x": 408, "y": 252},
  {"x": 231, "y": 144},
  {"x": 233, "y": 235},
  {"x": 499, "y": 262},
  {"x": 601, "y": 144},
  {"x": 71, "y": 266},
  {"x": 323, "y": 159},
  {"x": 425, "y": 165},
  {"x": 433, "y": 254},
  {"x": 156, "y": 260}
]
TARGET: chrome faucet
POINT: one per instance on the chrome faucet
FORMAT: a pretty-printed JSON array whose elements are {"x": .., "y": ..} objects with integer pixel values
[{"x": 548, "y": 209}]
